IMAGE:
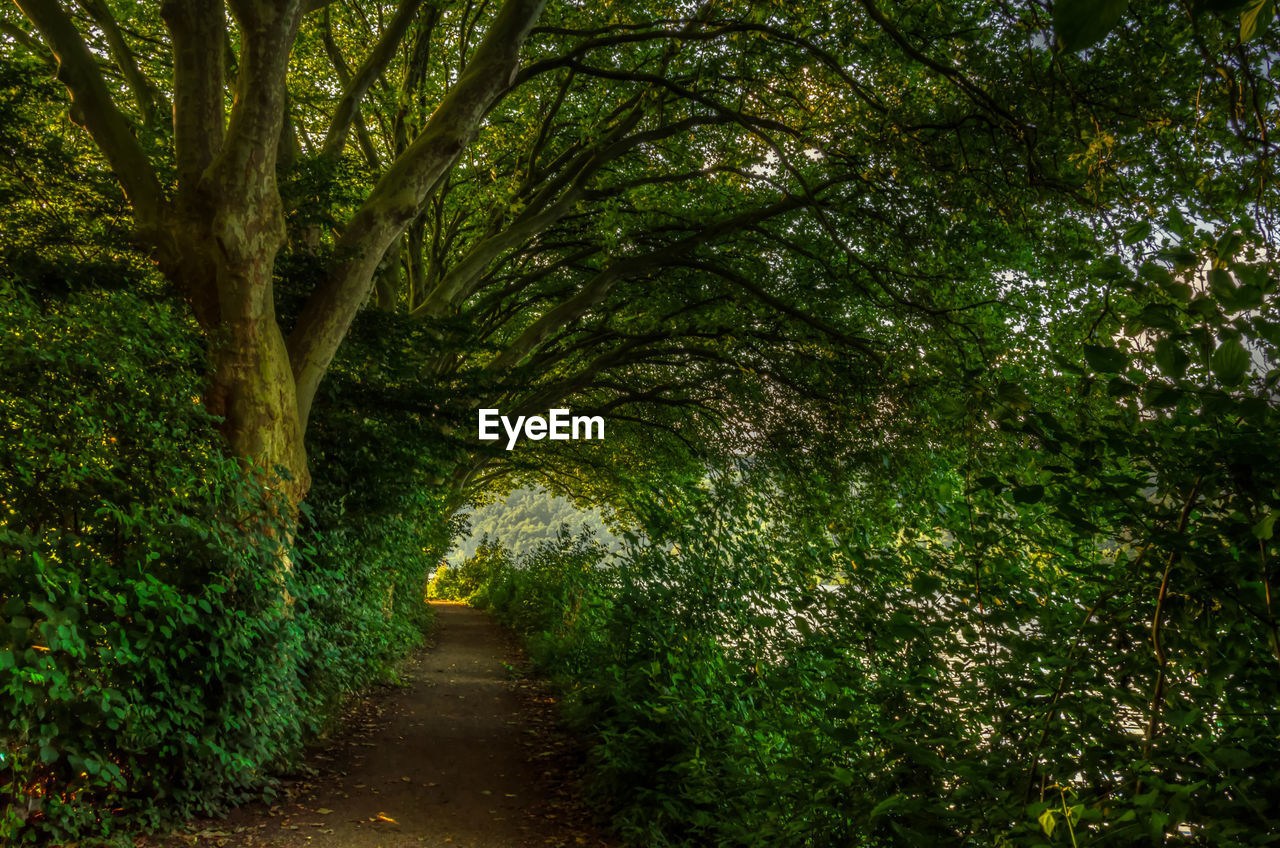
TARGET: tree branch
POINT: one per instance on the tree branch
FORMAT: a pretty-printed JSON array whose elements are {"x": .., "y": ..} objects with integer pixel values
[
  {"x": 544, "y": 210},
  {"x": 595, "y": 290},
  {"x": 95, "y": 110},
  {"x": 358, "y": 84},
  {"x": 149, "y": 100},
  {"x": 785, "y": 308},
  {"x": 400, "y": 193},
  {"x": 39, "y": 49},
  {"x": 198, "y": 31},
  {"x": 246, "y": 162}
]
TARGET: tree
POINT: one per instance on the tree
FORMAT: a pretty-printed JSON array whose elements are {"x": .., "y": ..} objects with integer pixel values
[
  {"x": 216, "y": 235},
  {"x": 674, "y": 218}
]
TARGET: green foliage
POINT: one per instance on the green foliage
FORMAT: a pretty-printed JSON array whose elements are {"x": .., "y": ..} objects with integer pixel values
[
  {"x": 1080, "y": 24},
  {"x": 683, "y": 662},
  {"x": 1068, "y": 637},
  {"x": 461, "y": 581},
  {"x": 144, "y": 652},
  {"x": 158, "y": 656},
  {"x": 526, "y": 517},
  {"x": 977, "y": 337},
  {"x": 1083, "y": 23},
  {"x": 64, "y": 220}
]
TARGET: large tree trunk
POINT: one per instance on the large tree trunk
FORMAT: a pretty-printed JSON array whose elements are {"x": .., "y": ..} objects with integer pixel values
[
  {"x": 252, "y": 389},
  {"x": 223, "y": 259},
  {"x": 229, "y": 225}
]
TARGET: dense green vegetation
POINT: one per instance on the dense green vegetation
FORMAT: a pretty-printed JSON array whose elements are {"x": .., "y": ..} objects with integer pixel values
[
  {"x": 522, "y": 520},
  {"x": 980, "y": 668},
  {"x": 150, "y": 663},
  {"x": 937, "y": 345},
  {"x": 525, "y": 517}
]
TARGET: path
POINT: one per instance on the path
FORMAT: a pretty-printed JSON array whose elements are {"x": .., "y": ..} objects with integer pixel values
[{"x": 465, "y": 756}]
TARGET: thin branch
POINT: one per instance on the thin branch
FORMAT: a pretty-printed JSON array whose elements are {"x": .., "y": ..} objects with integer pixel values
[{"x": 358, "y": 83}]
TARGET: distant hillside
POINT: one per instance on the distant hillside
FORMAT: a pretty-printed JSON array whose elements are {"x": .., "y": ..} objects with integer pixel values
[{"x": 525, "y": 518}]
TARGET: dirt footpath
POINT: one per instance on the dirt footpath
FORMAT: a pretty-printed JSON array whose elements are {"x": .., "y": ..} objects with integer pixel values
[{"x": 465, "y": 755}]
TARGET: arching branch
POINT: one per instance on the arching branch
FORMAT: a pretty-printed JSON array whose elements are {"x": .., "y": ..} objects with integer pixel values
[
  {"x": 94, "y": 108},
  {"x": 400, "y": 193},
  {"x": 355, "y": 87}
]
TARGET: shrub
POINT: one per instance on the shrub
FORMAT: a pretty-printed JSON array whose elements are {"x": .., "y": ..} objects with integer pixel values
[
  {"x": 733, "y": 700},
  {"x": 701, "y": 736},
  {"x": 461, "y": 582},
  {"x": 152, "y": 664}
]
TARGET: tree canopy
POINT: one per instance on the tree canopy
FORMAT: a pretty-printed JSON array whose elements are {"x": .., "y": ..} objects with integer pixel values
[{"x": 676, "y": 216}]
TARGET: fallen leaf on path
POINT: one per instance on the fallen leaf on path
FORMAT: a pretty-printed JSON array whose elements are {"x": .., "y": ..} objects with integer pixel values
[
  {"x": 324, "y": 811},
  {"x": 386, "y": 818}
]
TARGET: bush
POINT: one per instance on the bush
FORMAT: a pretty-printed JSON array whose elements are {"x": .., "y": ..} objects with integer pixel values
[
  {"x": 152, "y": 664},
  {"x": 461, "y": 582},
  {"x": 733, "y": 700},
  {"x": 704, "y": 731}
]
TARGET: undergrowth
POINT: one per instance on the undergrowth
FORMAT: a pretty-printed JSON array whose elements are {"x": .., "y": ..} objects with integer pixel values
[{"x": 161, "y": 655}]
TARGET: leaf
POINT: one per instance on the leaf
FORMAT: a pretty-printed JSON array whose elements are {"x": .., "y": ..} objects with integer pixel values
[
  {"x": 1247, "y": 297},
  {"x": 1105, "y": 359},
  {"x": 324, "y": 811},
  {"x": 926, "y": 584},
  {"x": 1233, "y": 758},
  {"x": 1269, "y": 330},
  {"x": 1159, "y": 316},
  {"x": 19, "y": 627},
  {"x": 884, "y": 806},
  {"x": 1120, "y": 387},
  {"x": 1254, "y": 19},
  {"x": 1171, "y": 359},
  {"x": 1230, "y": 362},
  {"x": 1014, "y": 395},
  {"x": 1155, "y": 825},
  {"x": 1047, "y": 822},
  {"x": 950, "y": 408},
  {"x": 1083, "y": 23},
  {"x": 1265, "y": 528},
  {"x": 1222, "y": 286},
  {"x": 1137, "y": 232},
  {"x": 1028, "y": 494},
  {"x": 1158, "y": 395},
  {"x": 386, "y": 818}
]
